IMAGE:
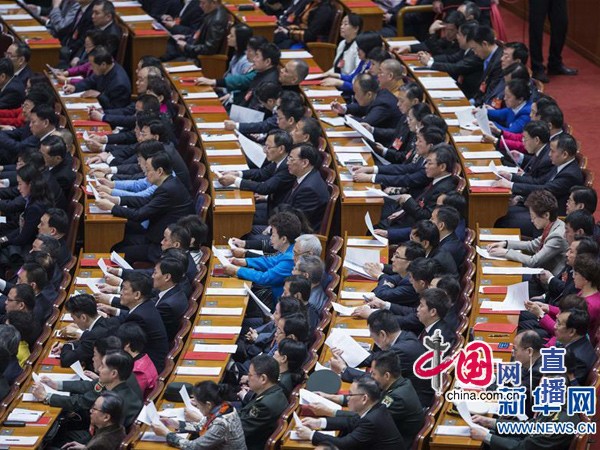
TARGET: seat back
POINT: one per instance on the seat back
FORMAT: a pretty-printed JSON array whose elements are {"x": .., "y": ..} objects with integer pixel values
[
  {"x": 334, "y": 32},
  {"x": 334, "y": 193},
  {"x": 323, "y": 53},
  {"x": 334, "y": 245},
  {"x": 120, "y": 56},
  {"x": 74, "y": 227}
]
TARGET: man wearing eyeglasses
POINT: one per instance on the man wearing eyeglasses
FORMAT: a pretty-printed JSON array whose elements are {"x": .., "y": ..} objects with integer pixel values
[{"x": 371, "y": 426}]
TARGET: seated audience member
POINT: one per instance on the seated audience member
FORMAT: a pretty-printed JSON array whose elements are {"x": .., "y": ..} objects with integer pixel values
[
  {"x": 83, "y": 68},
  {"x": 172, "y": 302},
  {"x": 198, "y": 232},
  {"x": 12, "y": 90},
  {"x": 270, "y": 97},
  {"x": 346, "y": 58},
  {"x": 365, "y": 42},
  {"x": 22, "y": 321},
  {"x": 432, "y": 310},
  {"x": 178, "y": 237},
  {"x": 133, "y": 339},
  {"x": 398, "y": 396},
  {"x": 59, "y": 162},
  {"x": 149, "y": 218},
  {"x": 19, "y": 54},
  {"x": 266, "y": 62},
  {"x": 372, "y": 105},
  {"x": 313, "y": 268},
  {"x": 426, "y": 233},
  {"x": 582, "y": 197},
  {"x": 483, "y": 43},
  {"x": 291, "y": 356},
  {"x": 106, "y": 420},
  {"x": 110, "y": 83},
  {"x": 136, "y": 293},
  {"x": 34, "y": 275},
  {"x": 9, "y": 340},
  {"x": 565, "y": 174},
  {"x": 218, "y": 426},
  {"x": 19, "y": 297},
  {"x": 457, "y": 201},
  {"x": 307, "y": 244},
  {"x": 259, "y": 417},
  {"x": 451, "y": 286},
  {"x": 439, "y": 165},
  {"x": 391, "y": 75},
  {"x": 446, "y": 219},
  {"x": 546, "y": 251},
  {"x": 515, "y": 115},
  {"x": 442, "y": 39},
  {"x": 89, "y": 327},
  {"x": 463, "y": 65},
  {"x": 292, "y": 74},
  {"x": 204, "y": 40},
  {"x": 308, "y": 131},
  {"x": 55, "y": 223},
  {"x": 271, "y": 271},
  {"x": 312, "y": 24},
  {"x": 371, "y": 425},
  {"x": 103, "y": 18},
  {"x": 535, "y": 162},
  {"x": 184, "y": 21},
  {"x": 388, "y": 335},
  {"x": 272, "y": 180}
]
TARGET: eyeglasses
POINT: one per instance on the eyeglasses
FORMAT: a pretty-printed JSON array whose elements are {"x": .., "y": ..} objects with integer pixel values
[
  {"x": 353, "y": 395},
  {"x": 95, "y": 409},
  {"x": 396, "y": 256}
]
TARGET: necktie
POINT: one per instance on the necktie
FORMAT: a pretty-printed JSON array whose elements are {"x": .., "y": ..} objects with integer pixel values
[
  {"x": 545, "y": 234},
  {"x": 76, "y": 23}
]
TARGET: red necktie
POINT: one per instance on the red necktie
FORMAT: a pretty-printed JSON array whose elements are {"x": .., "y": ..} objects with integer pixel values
[{"x": 545, "y": 234}]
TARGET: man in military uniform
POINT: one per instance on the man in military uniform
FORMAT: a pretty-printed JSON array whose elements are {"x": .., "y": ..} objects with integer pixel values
[{"x": 259, "y": 417}]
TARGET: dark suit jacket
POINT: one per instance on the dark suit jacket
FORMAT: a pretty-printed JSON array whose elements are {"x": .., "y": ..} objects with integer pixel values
[
  {"x": 453, "y": 246},
  {"x": 585, "y": 357},
  {"x": 78, "y": 30},
  {"x": 168, "y": 203},
  {"x": 171, "y": 308},
  {"x": 189, "y": 20},
  {"x": 157, "y": 8},
  {"x": 396, "y": 289},
  {"x": 387, "y": 136},
  {"x": 536, "y": 376},
  {"x": 414, "y": 176},
  {"x": 83, "y": 349},
  {"x": 557, "y": 288},
  {"x": 376, "y": 430},
  {"x": 381, "y": 112},
  {"x": 535, "y": 167},
  {"x": 25, "y": 235},
  {"x": 207, "y": 40},
  {"x": 269, "y": 180},
  {"x": 310, "y": 197},
  {"x": 44, "y": 301},
  {"x": 114, "y": 87},
  {"x": 268, "y": 76},
  {"x": 64, "y": 175},
  {"x": 106, "y": 438},
  {"x": 13, "y": 141},
  {"x": 491, "y": 77},
  {"x": 147, "y": 316},
  {"x": 464, "y": 66},
  {"x": 448, "y": 333},
  {"x": 24, "y": 75},
  {"x": 558, "y": 184},
  {"x": 12, "y": 95}
]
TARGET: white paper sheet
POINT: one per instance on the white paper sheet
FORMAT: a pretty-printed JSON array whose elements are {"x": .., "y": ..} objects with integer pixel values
[
  {"x": 224, "y": 152},
  {"x": 225, "y": 291},
  {"x": 343, "y": 310},
  {"x": 11, "y": 17},
  {"x": 499, "y": 237},
  {"x": 334, "y": 121},
  {"x": 186, "y": 68},
  {"x": 438, "y": 82},
  {"x": 254, "y": 151},
  {"x": 49, "y": 389},
  {"x": 490, "y": 169},
  {"x": 18, "y": 440},
  {"x": 361, "y": 256},
  {"x": 233, "y": 201},
  {"x": 346, "y": 159},
  {"x": 307, "y": 397},
  {"x": 355, "y": 125},
  {"x": 217, "y": 348},
  {"x": 453, "y": 430},
  {"x": 321, "y": 106},
  {"x": 25, "y": 415},
  {"x": 343, "y": 134},
  {"x": 32, "y": 28},
  {"x": 451, "y": 109},
  {"x": 78, "y": 369},
  {"x": 242, "y": 114},
  {"x": 137, "y": 18},
  {"x": 314, "y": 76},
  {"x": 358, "y": 269},
  {"x": 482, "y": 155},
  {"x": 264, "y": 308},
  {"x": 465, "y": 118},
  {"x": 351, "y": 149},
  {"x": 82, "y": 106},
  {"x": 451, "y": 95},
  {"x": 482, "y": 183},
  {"x": 173, "y": 413},
  {"x": 369, "y": 223},
  {"x": 221, "y": 311},
  {"x": 190, "y": 370},
  {"x": 511, "y": 271},
  {"x": 352, "y": 353},
  {"x": 466, "y": 139},
  {"x": 67, "y": 318},
  {"x": 227, "y": 167},
  {"x": 149, "y": 414},
  {"x": 405, "y": 43},
  {"x": 353, "y": 242},
  {"x": 126, "y": 4},
  {"x": 73, "y": 95},
  {"x": 485, "y": 254},
  {"x": 516, "y": 294},
  {"x": 482, "y": 119},
  {"x": 302, "y": 54},
  {"x": 463, "y": 410},
  {"x": 317, "y": 93},
  {"x": 370, "y": 193},
  {"x": 294, "y": 436},
  {"x": 355, "y": 295},
  {"x": 219, "y": 137},
  {"x": 195, "y": 95},
  {"x": 120, "y": 261},
  {"x": 214, "y": 329},
  {"x": 210, "y": 125}
]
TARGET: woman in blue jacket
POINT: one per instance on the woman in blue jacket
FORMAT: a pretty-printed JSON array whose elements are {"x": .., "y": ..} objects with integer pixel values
[{"x": 515, "y": 116}]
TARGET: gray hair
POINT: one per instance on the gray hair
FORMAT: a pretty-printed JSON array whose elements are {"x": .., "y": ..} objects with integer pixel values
[
  {"x": 301, "y": 69},
  {"x": 310, "y": 244},
  {"x": 313, "y": 267},
  {"x": 10, "y": 338}
]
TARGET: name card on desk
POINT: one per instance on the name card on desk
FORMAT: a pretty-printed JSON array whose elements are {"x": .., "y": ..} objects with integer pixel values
[
  {"x": 215, "y": 348},
  {"x": 224, "y": 152},
  {"x": 438, "y": 82},
  {"x": 210, "y": 125},
  {"x": 295, "y": 54},
  {"x": 453, "y": 430},
  {"x": 25, "y": 415},
  {"x": 18, "y": 440},
  {"x": 208, "y": 371},
  {"x": 511, "y": 271},
  {"x": 228, "y": 167},
  {"x": 479, "y": 155},
  {"x": 194, "y": 95},
  {"x": 233, "y": 201},
  {"x": 482, "y": 183},
  {"x": 323, "y": 93},
  {"x": 499, "y": 237},
  {"x": 321, "y": 107},
  {"x": 219, "y": 137},
  {"x": 12, "y": 17},
  {"x": 452, "y": 95},
  {"x": 226, "y": 291},
  {"x": 406, "y": 43},
  {"x": 137, "y": 18},
  {"x": 33, "y": 28},
  {"x": 473, "y": 138},
  {"x": 221, "y": 311},
  {"x": 224, "y": 330},
  {"x": 181, "y": 69},
  {"x": 342, "y": 134}
]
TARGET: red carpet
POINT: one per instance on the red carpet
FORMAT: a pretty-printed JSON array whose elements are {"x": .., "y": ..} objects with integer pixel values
[{"x": 577, "y": 96}]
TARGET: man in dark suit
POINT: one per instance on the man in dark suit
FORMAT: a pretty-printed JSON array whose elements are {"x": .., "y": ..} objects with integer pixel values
[
  {"x": 571, "y": 330},
  {"x": 103, "y": 18},
  {"x": 136, "y": 292},
  {"x": 266, "y": 63},
  {"x": 171, "y": 302},
  {"x": 205, "y": 40},
  {"x": 84, "y": 312},
  {"x": 536, "y": 163},
  {"x": 156, "y": 8},
  {"x": 417, "y": 206},
  {"x": 12, "y": 90},
  {"x": 59, "y": 162},
  {"x": 149, "y": 218},
  {"x": 273, "y": 180},
  {"x": 188, "y": 19},
  {"x": 371, "y": 426},
  {"x": 565, "y": 174},
  {"x": 377, "y": 107},
  {"x": 82, "y": 23},
  {"x": 483, "y": 44},
  {"x": 446, "y": 219},
  {"x": 526, "y": 350},
  {"x": 19, "y": 53},
  {"x": 309, "y": 193},
  {"x": 34, "y": 275},
  {"x": 110, "y": 83},
  {"x": 463, "y": 65},
  {"x": 432, "y": 309},
  {"x": 55, "y": 223}
]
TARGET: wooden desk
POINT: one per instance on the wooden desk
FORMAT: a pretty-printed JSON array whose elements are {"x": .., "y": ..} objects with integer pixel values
[
  {"x": 372, "y": 15},
  {"x": 439, "y": 442},
  {"x": 261, "y": 23}
]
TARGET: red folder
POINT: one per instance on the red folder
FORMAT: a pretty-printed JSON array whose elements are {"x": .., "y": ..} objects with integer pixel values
[
  {"x": 207, "y": 356},
  {"x": 42, "y": 421},
  {"x": 409, "y": 57},
  {"x": 481, "y": 189},
  {"x": 89, "y": 123},
  {"x": 213, "y": 336},
  {"x": 150, "y": 32},
  {"x": 495, "y": 327},
  {"x": 91, "y": 262},
  {"x": 490, "y": 290},
  {"x": 310, "y": 82},
  {"x": 207, "y": 109},
  {"x": 51, "y": 362},
  {"x": 187, "y": 80},
  {"x": 49, "y": 41},
  {"x": 315, "y": 69},
  {"x": 263, "y": 19}
]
